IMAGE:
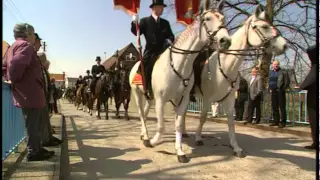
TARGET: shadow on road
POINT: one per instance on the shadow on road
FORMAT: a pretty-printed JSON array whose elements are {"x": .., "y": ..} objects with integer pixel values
[{"x": 254, "y": 146}]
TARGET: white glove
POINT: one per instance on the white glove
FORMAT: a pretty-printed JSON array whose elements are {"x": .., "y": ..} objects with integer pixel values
[{"x": 135, "y": 18}]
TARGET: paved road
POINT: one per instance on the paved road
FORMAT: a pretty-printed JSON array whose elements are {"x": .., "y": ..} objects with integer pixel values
[{"x": 111, "y": 149}]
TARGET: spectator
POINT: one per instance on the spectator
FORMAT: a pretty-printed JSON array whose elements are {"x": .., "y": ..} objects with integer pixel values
[
  {"x": 255, "y": 94},
  {"x": 47, "y": 138},
  {"x": 278, "y": 83},
  {"x": 242, "y": 97},
  {"x": 24, "y": 71},
  {"x": 53, "y": 97},
  {"x": 310, "y": 84}
]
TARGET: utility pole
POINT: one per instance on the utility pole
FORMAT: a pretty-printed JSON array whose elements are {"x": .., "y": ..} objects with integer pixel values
[{"x": 44, "y": 46}]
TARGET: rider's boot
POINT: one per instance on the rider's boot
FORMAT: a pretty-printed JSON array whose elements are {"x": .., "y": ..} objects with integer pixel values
[{"x": 192, "y": 97}]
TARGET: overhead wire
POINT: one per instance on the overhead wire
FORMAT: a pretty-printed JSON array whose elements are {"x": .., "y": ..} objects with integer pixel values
[
  {"x": 9, "y": 12},
  {"x": 17, "y": 10}
]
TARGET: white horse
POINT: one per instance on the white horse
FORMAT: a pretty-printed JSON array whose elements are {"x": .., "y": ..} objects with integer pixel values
[
  {"x": 255, "y": 32},
  {"x": 172, "y": 76}
]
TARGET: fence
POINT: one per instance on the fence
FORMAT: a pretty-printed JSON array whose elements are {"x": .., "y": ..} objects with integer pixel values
[
  {"x": 12, "y": 123},
  {"x": 295, "y": 105}
]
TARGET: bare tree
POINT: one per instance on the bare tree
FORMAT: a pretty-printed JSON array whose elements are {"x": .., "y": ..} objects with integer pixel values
[{"x": 295, "y": 21}]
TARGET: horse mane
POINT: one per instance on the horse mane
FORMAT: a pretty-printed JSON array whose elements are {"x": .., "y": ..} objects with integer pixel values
[{"x": 189, "y": 31}]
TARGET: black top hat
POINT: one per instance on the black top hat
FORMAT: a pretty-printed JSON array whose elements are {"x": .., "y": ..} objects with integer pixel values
[
  {"x": 98, "y": 58},
  {"x": 157, "y": 2},
  {"x": 37, "y": 36}
]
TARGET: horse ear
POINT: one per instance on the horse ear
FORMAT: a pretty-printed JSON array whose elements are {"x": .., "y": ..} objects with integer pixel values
[
  {"x": 220, "y": 5},
  {"x": 259, "y": 12},
  {"x": 204, "y": 5}
]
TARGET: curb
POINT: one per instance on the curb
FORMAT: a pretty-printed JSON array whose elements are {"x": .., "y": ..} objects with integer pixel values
[
  {"x": 265, "y": 127},
  {"x": 57, "y": 167}
]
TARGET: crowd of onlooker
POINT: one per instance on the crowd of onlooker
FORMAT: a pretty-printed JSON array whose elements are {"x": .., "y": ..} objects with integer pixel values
[
  {"x": 251, "y": 90},
  {"x": 26, "y": 71}
]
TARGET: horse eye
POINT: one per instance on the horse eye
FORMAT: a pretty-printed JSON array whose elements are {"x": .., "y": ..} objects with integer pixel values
[
  {"x": 208, "y": 18},
  {"x": 265, "y": 27}
]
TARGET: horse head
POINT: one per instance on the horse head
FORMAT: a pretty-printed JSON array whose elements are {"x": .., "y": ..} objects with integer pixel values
[
  {"x": 212, "y": 24},
  {"x": 262, "y": 34},
  {"x": 107, "y": 80}
]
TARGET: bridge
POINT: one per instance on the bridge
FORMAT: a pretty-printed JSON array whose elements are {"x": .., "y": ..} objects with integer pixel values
[{"x": 112, "y": 149}]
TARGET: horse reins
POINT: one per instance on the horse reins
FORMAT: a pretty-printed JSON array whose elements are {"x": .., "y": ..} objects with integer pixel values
[
  {"x": 212, "y": 40},
  {"x": 265, "y": 43}
]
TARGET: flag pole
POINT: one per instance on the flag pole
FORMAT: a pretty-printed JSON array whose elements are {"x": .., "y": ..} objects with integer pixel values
[{"x": 140, "y": 54}]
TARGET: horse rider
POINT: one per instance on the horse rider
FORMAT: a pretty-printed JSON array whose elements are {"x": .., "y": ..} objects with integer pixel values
[
  {"x": 87, "y": 77},
  {"x": 97, "y": 71},
  {"x": 158, "y": 35},
  {"x": 79, "y": 82}
]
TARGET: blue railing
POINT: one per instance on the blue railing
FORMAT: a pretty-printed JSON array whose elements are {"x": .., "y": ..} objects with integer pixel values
[
  {"x": 296, "y": 107},
  {"x": 12, "y": 123}
]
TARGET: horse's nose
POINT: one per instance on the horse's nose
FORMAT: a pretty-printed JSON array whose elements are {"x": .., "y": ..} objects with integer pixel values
[{"x": 225, "y": 42}]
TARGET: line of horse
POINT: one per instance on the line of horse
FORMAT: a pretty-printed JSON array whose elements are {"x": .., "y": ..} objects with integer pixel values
[
  {"x": 173, "y": 73},
  {"x": 112, "y": 84}
]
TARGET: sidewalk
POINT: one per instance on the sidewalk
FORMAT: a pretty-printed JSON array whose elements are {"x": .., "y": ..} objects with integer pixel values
[{"x": 17, "y": 167}]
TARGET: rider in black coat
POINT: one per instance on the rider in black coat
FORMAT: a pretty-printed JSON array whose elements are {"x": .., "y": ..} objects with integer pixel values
[
  {"x": 158, "y": 35},
  {"x": 310, "y": 84},
  {"x": 97, "y": 71},
  {"x": 79, "y": 81}
]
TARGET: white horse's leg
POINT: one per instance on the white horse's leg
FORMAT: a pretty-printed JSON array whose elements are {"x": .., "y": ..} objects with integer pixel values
[
  {"x": 146, "y": 108},
  {"x": 144, "y": 132},
  {"x": 203, "y": 118},
  {"x": 184, "y": 131},
  {"x": 229, "y": 104},
  {"x": 159, "y": 107},
  {"x": 180, "y": 111}
]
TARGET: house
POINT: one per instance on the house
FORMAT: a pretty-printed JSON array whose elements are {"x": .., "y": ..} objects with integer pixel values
[
  {"x": 129, "y": 55},
  {"x": 70, "y": 82},
  {"x": 59, "y": 79}
]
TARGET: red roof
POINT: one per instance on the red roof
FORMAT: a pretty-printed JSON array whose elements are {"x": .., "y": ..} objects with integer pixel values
[{"x": 57, "y": 77}]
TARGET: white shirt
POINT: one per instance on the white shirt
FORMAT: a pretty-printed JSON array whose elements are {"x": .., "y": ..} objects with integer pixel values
[
  {"x": 155, "y": 17},
  {"x": 252, "y": 79}
]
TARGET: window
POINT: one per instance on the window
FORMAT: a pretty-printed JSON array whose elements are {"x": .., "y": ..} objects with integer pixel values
[{"x": 130, "y": 57}]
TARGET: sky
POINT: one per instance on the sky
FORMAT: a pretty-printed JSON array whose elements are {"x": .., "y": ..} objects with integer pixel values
[{"x": 75, "y": 31}]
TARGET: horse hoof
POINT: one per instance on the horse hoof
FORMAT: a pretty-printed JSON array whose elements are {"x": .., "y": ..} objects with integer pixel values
[
  {"x": 141, "y": 137},
  {"x": 183, "y": 159},
  {"x": 118, "y": 117},
  {"x": 107, "y": 118},
  {"x": 147, "y": 143},
  {"x": 239, "y": 154},
  {"x": 98, "y": 117},
  {"x": 185, "y": 135},
  {"x": 127, "y": 118},
  {"x": 199, "y": 143}
]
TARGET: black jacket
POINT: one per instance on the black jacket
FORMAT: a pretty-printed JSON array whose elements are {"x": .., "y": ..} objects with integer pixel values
[
  {"x": 310, "y": 83},
  {"x": 283, "y": 82},
  {"x": 243, "y": 90},
  {"x": 96, "y": 69},
  {"x": 155, "y": 34}
]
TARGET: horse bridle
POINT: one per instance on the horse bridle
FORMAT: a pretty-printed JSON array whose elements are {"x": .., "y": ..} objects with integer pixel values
[
  {"x": 265, "y": 43},
  {"x": 212, "y": 40}
]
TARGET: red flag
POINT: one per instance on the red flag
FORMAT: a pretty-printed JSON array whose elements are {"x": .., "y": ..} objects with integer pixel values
[
  {"x": 130, "y": 7},
  {"x": 186, "y": 10}
]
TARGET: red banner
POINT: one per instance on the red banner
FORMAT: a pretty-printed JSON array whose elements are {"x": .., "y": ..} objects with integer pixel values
[
  {"x": 130, "y": 7},
  {"x": 186, "y": 10}
]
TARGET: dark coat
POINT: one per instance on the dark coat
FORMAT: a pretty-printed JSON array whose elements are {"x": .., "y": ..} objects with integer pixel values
[
  {"x": 96, "y": 69},
  {"x": 283, "y": 82},
  {"x": 24, "y": 71},
  {"x": 243, "y": 90},
  {"x": 310, "y": 82},
  {"x": 155, "y": 35}
]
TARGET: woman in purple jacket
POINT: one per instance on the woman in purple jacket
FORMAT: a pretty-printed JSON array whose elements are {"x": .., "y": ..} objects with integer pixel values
[{"x": 23, "y": 70}]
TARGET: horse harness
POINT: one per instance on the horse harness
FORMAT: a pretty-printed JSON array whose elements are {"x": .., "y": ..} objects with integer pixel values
[
  {"x": 173, "y": 49},
  {"x": 265, "y": 43}
]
